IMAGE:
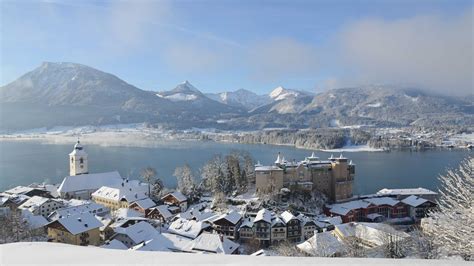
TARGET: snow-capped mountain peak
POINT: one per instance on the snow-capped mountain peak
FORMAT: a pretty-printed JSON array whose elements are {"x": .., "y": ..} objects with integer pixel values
[
  {"x": 186, "y": 87},
  {"x": 281, "y": 93},
  {"x": 185, "y": 91}
]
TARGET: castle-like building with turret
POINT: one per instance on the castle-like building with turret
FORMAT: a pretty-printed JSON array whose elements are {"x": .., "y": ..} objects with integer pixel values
[{"x": 333, "y": 177}]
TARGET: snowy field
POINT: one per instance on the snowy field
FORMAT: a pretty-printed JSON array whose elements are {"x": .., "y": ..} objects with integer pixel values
[{"x": 44, "y": 253}]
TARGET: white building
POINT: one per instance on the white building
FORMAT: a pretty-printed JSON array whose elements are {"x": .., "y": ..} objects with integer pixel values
[
  {"x": 78, "y": 163},
  {"x": 80, "y": 184},
  {"x": 41, "y": 206}
]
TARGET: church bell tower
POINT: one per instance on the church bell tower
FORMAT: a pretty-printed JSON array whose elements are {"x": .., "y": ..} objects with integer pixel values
[{"x": 78, "y": 160}]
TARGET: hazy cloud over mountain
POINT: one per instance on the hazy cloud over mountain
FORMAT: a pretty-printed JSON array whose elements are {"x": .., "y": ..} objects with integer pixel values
[
  {"x": 433, "y": 52},
  {"x": 256, "y": 46}
]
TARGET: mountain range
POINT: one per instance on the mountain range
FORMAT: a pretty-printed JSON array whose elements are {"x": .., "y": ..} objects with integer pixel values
[{"x": 70, "y": 94}]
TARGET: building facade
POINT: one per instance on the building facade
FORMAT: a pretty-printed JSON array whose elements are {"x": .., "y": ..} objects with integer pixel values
[
  {"x": 334, "y": 177},
  {"x": 78, "y": 163}
]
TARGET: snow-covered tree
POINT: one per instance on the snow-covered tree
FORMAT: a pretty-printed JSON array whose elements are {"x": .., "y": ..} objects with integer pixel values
[
  {"x": 155, "y": 184},
  {"x": 214, "y": 175},
  {"x": 450, "y": 225},
  {"x": 186, "y": 181}
]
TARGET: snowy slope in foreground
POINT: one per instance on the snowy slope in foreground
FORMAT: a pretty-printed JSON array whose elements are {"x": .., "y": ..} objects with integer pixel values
[{"x": 53, "y": 253}]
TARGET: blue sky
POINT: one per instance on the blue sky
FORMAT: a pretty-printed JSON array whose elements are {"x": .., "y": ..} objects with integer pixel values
[{"x": 256, "y": 45}]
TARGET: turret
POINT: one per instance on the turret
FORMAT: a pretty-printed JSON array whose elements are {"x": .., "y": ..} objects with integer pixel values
[{"x": 78, "y": 163}]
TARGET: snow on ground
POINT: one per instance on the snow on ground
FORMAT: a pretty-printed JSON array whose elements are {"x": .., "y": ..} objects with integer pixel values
[
  {"x": 377, "y": 104},
  {"x": 353, "y": 148},
  {"x": 44, "y": 253},
  {"x": 463, "y": 137}
]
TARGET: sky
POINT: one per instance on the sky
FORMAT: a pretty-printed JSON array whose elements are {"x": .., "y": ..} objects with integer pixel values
[{"x": 256, "y": 45}]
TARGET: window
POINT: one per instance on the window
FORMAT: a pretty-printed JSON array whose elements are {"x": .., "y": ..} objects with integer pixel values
[{"x": 81, "y": 160}]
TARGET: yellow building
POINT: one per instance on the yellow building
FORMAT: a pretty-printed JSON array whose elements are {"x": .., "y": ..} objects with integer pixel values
[
  {"x": 121, "y": 196},
  {"x": 334, "y": 177},
  {"x": 80, "y": 229}
]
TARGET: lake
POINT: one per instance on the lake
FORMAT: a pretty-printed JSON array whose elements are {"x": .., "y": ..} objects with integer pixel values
[{"x": 22, "y": 163}]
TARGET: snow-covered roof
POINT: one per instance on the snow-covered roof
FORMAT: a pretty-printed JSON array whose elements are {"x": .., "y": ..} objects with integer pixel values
[
  {"x": 277, "y": 220},
  {"x": 163, "y": 210},
  {"x": 79, "y": 223},
  {"x": 35, "y": 202},
  {"x": 127, "y": 213},
  {"x": 114, "y": 244},
  {"x": 268, "y": 168},
  {"x": 34, "y": 221},
  {"x": 129, "y": 191},
  {"x": 90, "y": 207},
  {"x": 373, "y": 233},
  {"x": 383, "y": 201},
  {"x": 145, "y": 203},
  {"x": 89, "y": 181},
  {"x": 263, "y": 215},
  {"x": 414, "y": 201},
  {"x": 346, "y": 207},
  {"x": 19, "y": 190},
  {"x": 232, "y": 216},
  {"x": 322, "y": 244},
  {"x": 138, "y": 232},
  {"x": 212, "y": 243},
  {"x": 287, "y": 216},
  {"x": 164, "y": 242},
  {"x": 331, "y": 220},
  {"x": 187, "y": 228},
  {"x": 177, "y": 195},
  {"x": 198, "y": 212},
  {"x": 78, "y": 150},
  {"x": 278, "y": 160},
  {"x": 406, "y": 191},
  {"x": 248, "y": 222}
]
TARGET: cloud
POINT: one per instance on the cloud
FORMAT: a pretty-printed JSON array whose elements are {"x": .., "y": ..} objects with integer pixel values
[
  {"x": 431, "y": 52},
  {"x": 193, "y": 58},
  {"x": 282, "y": 58}
]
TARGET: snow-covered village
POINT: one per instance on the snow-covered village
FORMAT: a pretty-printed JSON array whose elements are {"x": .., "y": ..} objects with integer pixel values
[
  {"x": 249, "y": 132},
  {"x": 240, "y": 208}
]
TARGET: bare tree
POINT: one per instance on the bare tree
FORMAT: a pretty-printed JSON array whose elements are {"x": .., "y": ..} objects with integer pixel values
[
  {"x": 450, "y": 225},
  {"x": 155, "y": 184}
]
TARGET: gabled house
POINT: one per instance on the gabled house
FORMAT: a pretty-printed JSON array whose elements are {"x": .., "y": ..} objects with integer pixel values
[
  {"x": 121, "y": 196},
  {"x": 418, "y": 207},
  {"x": 80, "y": 229},
  {"x": 176, "y": 199},
  {"x": 308, "y": 226},
  {"x": 228, "y": 224},
  {"x": 278, "y": 230},
  {"x": 160, "y": 212},
  {"x": 246, "y": 232},
  {"x": 262, "y": 226},
  {"x": 142, "y": 205},
  {"x": 293, "y": 227},
  {"x": 41, "y": 206},
  {"x": 133, "y": 235}
]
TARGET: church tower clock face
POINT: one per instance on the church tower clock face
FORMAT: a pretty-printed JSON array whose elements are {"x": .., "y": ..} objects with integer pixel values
[{"x": 78, "y": 160}]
